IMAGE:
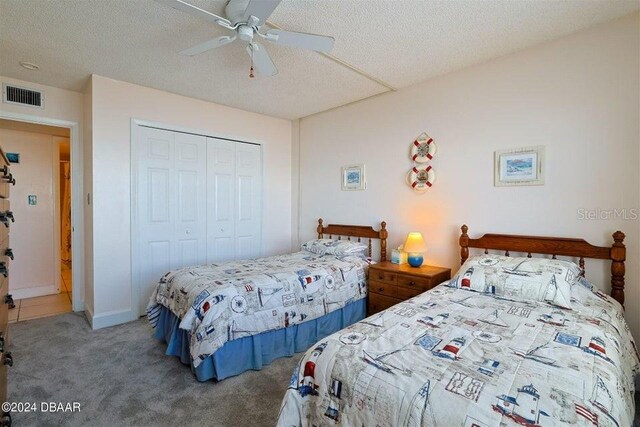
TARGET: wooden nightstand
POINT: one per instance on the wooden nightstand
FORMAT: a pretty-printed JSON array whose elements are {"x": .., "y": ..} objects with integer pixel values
[{"x": 390, "y": 283}]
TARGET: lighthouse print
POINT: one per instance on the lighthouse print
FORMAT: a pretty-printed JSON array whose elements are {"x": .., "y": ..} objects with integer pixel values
[
  {"x": 598, "y": 348},
  {"x": 451, "y": 349},
  {"x": 308, "y": 384},
  {"x": 465, "y": 281},
  {"x": 521, "y": 408}
]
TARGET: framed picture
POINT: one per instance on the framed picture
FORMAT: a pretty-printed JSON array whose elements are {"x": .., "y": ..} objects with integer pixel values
[
  {"x": 521, "y": 166},
  {"x": 13, "y": 157},
  {"x": 353, "y": 178}
]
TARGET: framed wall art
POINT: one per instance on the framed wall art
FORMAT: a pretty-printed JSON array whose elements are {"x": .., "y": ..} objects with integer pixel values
[
  {"x": 520, "y": 166},
  {"x": 353, "y": 178}
]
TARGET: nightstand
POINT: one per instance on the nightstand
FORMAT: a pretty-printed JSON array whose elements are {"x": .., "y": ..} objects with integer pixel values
[{"x": 391, "y": 283}]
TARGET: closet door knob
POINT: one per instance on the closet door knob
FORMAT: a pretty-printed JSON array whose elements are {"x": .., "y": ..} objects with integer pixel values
[
  {"x": 3, "y": 269},
  {"x": 9, "y": 253},
  {"x": 8, "y": 299},
  {"x": 8, "y": 359},
  {"x": 5, "y": 170},
  {"x": 10, "y": 216}
]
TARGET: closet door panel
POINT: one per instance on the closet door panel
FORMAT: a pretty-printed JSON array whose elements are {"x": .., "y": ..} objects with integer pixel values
[
  {"x": 171, "y": 209},
  {"x": 221, "y": 170},
  {"x": 191, "y": 210},
  {"x": 248, "y": 201}
]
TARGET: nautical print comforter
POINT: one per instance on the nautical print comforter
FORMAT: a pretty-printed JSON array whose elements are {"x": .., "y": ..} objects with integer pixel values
[
  {"x": 222, "y": 302},
  {"x": 451, "y": 357}
]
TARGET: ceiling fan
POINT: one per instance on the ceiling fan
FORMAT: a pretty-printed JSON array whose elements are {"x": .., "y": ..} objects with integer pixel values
[{"x": 246, "y": 19}]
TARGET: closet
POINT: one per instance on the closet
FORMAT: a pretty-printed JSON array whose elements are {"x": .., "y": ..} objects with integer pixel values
[{"x": 195, "y": 199}]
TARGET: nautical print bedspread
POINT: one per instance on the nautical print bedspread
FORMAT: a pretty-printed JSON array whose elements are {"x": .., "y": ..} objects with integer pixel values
[
  {"x": 451, "y": 357},
  {"x": 222, "y": 302}
]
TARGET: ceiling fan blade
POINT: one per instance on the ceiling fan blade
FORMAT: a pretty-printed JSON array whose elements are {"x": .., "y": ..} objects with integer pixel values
[
  {"x": 262, "y": 60},
  {"x": 261, "y": 9},
  {"x": 303, "y": 40},
  {"x": 194, "y": 11},
  {"x": 208, "y": 45}
]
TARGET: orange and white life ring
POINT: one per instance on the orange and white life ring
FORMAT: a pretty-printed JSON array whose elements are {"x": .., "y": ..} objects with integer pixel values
[
  {"x": 421, "y": 179},
  {"x": 423, "y": 149}
]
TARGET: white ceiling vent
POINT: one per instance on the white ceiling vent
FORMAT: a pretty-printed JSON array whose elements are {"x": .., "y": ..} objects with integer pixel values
[{"x": 12, "y": 94}]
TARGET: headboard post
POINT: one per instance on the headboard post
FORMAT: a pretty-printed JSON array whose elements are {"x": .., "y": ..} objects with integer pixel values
[
  {"x": 464, "y": 244},
  {"x": 618, "y": 257},
  {"x": 319, "y": 229},
  {"x": 383, "y": 241}
]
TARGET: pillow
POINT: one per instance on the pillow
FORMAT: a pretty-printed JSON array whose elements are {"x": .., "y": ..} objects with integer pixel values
[
  {"x": 537, "y": 279},
  {"x": 334, "y": 247}
]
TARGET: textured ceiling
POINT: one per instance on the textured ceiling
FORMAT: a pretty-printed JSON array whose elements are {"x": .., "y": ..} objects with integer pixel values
[{"x": 397, "y": 42}]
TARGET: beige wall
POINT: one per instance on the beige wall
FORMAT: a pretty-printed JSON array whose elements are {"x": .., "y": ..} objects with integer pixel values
[
  {"x": 34, "y": 270},
  {"x": 67, "y": 106},
  {"x": 578, "y": 96},
  {"x": 114, "y": 104}
]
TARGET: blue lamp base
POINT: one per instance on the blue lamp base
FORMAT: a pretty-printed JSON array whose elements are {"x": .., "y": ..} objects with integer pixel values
[{"x": 415, "y": 259}]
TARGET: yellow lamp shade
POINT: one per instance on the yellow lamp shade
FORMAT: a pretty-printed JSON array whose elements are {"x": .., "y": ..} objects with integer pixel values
[{"x": 414, "y": 243}]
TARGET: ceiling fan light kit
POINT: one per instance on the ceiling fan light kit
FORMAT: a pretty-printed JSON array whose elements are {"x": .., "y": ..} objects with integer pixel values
[{"x": 246, "y": 18}]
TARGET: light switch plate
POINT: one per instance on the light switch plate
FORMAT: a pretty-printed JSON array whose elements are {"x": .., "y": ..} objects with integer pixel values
[{"x": 33, "y": 199}]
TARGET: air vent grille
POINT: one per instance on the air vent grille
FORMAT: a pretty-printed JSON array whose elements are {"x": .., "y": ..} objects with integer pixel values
[{"x": 22, "y": 96}]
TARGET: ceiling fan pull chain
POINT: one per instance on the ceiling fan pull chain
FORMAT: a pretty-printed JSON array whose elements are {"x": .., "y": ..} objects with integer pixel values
[{"x": 251, "y": 69}]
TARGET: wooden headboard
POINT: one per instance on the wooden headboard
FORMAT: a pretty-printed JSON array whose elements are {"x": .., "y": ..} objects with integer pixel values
[
  {"x": 357, "y": 231},
  {"x": 555, "y": 246}
]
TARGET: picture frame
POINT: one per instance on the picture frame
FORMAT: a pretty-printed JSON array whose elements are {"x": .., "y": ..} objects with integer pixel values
[
  {"x": 520, "y": 166},
  {"x": 353, "y": 178},
  {"x": 13, "y": 157}
]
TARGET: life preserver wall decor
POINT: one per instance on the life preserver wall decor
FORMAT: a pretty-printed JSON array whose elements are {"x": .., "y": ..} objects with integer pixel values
[
  {"x": 421, "y": 176},
  {"x": 423, "y": 149},
  {"x": 421, "y": 179}
]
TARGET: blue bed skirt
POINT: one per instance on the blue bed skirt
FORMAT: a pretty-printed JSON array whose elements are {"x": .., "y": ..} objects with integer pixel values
[{"x": 243, "y": 354}]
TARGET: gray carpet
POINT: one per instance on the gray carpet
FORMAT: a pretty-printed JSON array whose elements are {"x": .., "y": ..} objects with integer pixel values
[{"x": 121, "y": 376}]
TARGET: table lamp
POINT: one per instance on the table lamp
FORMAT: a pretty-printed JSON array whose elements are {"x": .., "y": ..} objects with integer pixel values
[{"x": 414, "y": 246}]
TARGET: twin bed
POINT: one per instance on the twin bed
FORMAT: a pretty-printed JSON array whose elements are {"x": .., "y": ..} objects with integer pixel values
[
  {"x": 224, "y": 319},
  {"x": 508, "y": 341}
]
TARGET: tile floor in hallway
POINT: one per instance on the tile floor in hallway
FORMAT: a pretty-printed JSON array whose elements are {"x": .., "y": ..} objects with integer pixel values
[{"x": 48, "y": 305}]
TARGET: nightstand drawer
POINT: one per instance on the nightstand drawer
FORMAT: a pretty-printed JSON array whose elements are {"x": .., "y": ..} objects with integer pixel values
[
  {"x": 406, "y": 293},
  {"x": 378, "y": 303},
  {"x": 382, "y": 276},
  {"x": 382, "y": 288},
  {"x": 414, "y": 282}
]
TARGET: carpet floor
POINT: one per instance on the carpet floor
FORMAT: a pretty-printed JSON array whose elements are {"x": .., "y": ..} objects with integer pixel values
[{"x": 121, "y": 376}]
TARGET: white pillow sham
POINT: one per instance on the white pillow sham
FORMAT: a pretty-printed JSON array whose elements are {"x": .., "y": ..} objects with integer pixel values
[
  {"x": 334, "y": 247},
  {"x": 537, "y": 279}
]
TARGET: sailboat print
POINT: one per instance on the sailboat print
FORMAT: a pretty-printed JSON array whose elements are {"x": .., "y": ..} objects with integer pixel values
[
  {"x": 601, "y": 399},
  {"x": 418, "y": 408},
  {"x": 375, "y": 320},
  {"x": 556, "y": 318},
  {"x": 552, "y": 290},
  {"x": 265, "y": 294},
  {"x": 379, "y": 363},
  {"x": 434, "y": 321},
  {"x": 515, "y": 270},
  {"x": 494, "y": 319},
  {"x": 534, "y": 354},
  {"x": 463, "y": 302},
  {"x": 606, "y": 318}
]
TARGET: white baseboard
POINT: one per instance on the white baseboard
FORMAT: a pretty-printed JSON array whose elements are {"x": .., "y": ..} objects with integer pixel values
[
  {"x": 110, "y": 318},
  {"x": 38, "y": 291}
]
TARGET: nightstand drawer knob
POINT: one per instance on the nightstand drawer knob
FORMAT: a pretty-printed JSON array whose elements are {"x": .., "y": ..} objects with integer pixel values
[
  {"x": 380, "y": 276},
  {"x": 412, "y": 283},
  {"x": 380, "y": 289}
]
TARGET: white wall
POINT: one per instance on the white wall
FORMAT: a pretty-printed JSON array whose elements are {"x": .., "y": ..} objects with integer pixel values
[
  {"x": 67, "y": 106},
  {"x": 34, "y": 272},
  {"x": 578, "y": 96},
  {"x": 114, "y": 104}
]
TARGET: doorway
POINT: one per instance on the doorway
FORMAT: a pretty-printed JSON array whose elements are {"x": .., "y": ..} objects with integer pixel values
[{"x": 41, "y": 203}]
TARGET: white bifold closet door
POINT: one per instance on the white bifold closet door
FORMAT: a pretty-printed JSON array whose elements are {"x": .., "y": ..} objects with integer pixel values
[
  {"x": 171, "y": 207},
  {"x": 234, "y": 200}
]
